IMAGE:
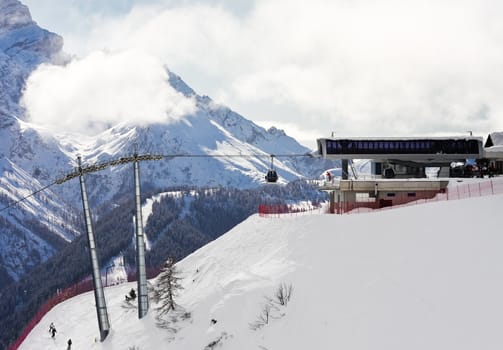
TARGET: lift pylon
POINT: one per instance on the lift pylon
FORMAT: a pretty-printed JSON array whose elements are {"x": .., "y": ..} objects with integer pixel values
[
  {"x": 99, "y": 294},
  {"x": 140, "y": 246}
]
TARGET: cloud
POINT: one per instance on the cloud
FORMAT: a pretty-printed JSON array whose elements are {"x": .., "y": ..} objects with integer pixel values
[
  {"x": 357, "y": 67},
  {"x": 103, "y": 89}
]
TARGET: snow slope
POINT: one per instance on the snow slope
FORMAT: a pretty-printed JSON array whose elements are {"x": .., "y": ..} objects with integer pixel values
[{"x": 419, "y": 277}]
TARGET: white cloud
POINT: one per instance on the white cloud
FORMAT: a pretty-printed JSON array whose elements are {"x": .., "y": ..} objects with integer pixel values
[
  {"x": 101, "y": 90},
  {"x": 358, "y": 67}
]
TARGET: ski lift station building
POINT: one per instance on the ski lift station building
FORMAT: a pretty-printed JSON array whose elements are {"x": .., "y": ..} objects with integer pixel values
[{"x": 398, "y": 168}]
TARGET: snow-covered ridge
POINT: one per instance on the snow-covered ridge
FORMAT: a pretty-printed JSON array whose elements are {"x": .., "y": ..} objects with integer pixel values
[
  {"x": 17, "y": 184},
  {"x": 23, "y": 46},
  {"x": 420, "y": 277},
  {"x": 20, "y": 248}
]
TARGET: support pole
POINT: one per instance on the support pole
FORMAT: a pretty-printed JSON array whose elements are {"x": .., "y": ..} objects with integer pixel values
[
  {"x": 99, "y": 294},
  {"x": 140, "y": 247},
  {"x": 332, "y": 202},
  {"x": 344, "y": 176},
  {"x": 345, "y": 169}
]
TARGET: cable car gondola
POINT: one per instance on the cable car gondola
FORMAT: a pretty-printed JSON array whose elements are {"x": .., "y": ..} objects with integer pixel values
[{"x": 272, "y": 175}]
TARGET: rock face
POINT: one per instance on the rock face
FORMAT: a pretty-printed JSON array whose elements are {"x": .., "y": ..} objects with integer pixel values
[
  {"x": 23, "y": 46},
  {"x": 13, "y": 15},
  {"x": 26, "y": 238}
]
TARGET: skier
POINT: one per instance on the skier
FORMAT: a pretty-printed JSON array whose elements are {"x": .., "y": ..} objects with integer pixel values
[
  {"x": 69, "y": 344},
  {"x": 52, "y": 330}
]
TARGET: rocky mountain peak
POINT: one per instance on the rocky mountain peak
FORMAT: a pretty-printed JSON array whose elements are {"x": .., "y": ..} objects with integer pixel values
[
  {"x": 275, "y": 131},
  {"x": 23, "y": 46},
  {"x": 13, "y": 14},
  {"x": 22, "y": 39}
]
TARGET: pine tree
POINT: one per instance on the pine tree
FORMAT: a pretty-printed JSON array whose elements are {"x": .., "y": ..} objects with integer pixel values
[{"x": 167, "y": 288}]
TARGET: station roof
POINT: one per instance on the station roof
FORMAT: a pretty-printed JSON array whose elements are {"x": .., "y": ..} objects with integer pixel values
[
  {"x": 397, "y": 138},
  {"x": 494, "y": 139}
]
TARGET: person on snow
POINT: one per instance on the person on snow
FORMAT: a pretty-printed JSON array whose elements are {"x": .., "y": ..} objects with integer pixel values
[
  {"x": 69, "y": 344},
  {"x": 52, "y": 330},
  {"x": 131, "y": 296}
]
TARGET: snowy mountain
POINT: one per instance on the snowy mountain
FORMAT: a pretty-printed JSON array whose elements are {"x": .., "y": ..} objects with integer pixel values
[
  {"x": 419, "y": 277},
  {"x": 36, "y": 228},
  {"x": 23, "y": 46},
  {"x": 31, "y": 157}
]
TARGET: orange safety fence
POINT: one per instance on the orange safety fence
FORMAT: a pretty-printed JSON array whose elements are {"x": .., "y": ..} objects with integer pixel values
[
  {"x": 60, "y": 296},
  {"x": 461, "y": 190},
  {"x": 84, "y": 286},
  {"x": 483, "y": 188}
]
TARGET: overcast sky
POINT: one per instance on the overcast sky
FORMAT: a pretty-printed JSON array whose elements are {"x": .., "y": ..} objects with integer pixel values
[{"x": 353, "y": 67}]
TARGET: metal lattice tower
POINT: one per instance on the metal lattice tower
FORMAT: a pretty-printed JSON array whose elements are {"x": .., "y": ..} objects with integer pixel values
[
  {"x": 140, "y": 246},
  {"x": 99, "y": 294}
]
